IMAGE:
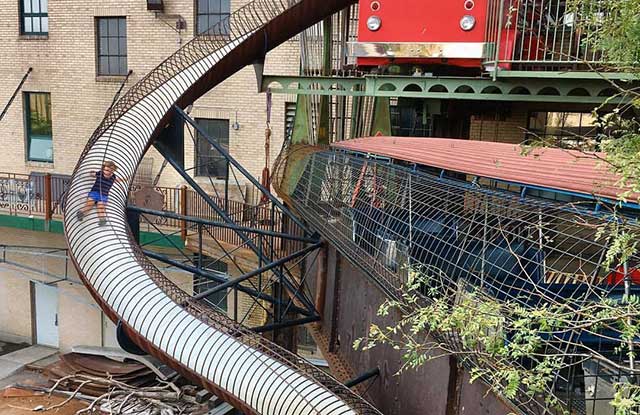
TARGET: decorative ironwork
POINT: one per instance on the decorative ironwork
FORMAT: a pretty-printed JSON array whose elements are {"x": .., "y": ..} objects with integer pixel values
[{"x": 18, "y": 194}]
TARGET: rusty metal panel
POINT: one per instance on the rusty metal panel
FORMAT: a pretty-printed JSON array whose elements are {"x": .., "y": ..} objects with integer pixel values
[{"x": 419, "y": 392}]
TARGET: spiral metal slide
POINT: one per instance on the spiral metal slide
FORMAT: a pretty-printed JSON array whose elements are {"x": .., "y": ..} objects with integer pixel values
[{"x": 253, "y": 374}]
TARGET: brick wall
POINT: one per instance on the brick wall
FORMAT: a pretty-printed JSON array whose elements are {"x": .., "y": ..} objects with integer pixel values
[
  {"x": 64, "y": 65},
  {"x": 504, "y": 125}
]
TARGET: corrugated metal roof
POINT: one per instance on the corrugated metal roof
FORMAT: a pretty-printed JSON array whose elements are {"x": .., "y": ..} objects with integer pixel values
[{"x": 553, "y": 168}]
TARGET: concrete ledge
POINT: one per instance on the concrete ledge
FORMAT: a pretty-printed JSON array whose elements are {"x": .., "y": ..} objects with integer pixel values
[
  {"x": 14, "y": 362},
  {"x": 8, "y": 368},
  {"x": 29, "y": 354}
]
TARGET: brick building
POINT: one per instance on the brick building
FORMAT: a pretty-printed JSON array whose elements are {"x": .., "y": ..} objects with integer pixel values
[{"x": 80, "y": 55}]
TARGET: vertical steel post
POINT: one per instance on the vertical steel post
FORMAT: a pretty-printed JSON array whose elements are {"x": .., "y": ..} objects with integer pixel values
[
  {"x": 183, "y": 212},
  {"x": 199, "y": 246},
  {"x": 226, "y": 188},
  {"x": 324, "y": 133},
  {"x": 47, "y": 202},
  {"x": 498, "y": 39}
]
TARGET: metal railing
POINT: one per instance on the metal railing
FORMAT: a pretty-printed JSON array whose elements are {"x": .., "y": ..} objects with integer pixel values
[
  {"x": 49, "y": 261},
  {"x": 36, "y": 194},
  {"x": 42, "y": 195},
  {"x": 542, "y": 34}
]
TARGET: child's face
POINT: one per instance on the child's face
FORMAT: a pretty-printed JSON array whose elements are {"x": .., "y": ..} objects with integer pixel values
[{"x": 107, "y": 171}]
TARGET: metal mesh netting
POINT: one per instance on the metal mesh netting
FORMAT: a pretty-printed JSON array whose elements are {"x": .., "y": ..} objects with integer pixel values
[{"x": 390, "y": 220}]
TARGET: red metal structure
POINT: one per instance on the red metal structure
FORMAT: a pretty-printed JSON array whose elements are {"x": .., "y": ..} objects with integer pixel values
[
  {"x": 412, "y": 31},
  {"x": 463, "y": 33}
]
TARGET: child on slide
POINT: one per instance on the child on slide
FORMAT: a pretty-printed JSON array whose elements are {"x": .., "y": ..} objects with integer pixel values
[{"x": 99, "y": 194}]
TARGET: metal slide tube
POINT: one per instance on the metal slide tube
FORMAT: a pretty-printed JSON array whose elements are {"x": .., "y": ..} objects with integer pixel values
[{"x": 254, "y": 375}]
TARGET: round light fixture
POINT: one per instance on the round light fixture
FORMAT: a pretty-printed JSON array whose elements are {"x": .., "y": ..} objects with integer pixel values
[
  {"x": 469, "y": 5},
  {"x": 467, "y": 22},
  {"x": 375, "y": 6},
  {"x": 374, "y": 23}
]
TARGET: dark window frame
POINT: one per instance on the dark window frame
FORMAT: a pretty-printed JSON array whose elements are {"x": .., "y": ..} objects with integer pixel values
[
  {"x": 202, "y": 169},
  {"x": 26, "y": 97},
  {"x": 223, "y": 30},
  {"x": 201, "y": 284},
  {"x": 108, "y": 38},
  {"x": 40, "y": 15}
]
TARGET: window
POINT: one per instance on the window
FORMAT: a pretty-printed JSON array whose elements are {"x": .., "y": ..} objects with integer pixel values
[
  {"x": 565, "y": 129},
  {"x": 211, "y": 12},
  {"x": 209, "y": 162},
  {"x": 202, "y": 284},
  {"x": 38, "y": 126},
  {"x": 34, "y": 18},
  {"x": 112, "y": 46}
]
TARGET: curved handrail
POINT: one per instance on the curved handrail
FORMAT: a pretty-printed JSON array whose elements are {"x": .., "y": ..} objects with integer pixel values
[{"x": 245, "y": 369}]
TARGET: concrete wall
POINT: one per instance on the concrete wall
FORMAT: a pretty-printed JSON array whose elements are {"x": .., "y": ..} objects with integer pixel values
[
  {"x": 80, "y": 321},
  {"x": 15, "y": 313}
]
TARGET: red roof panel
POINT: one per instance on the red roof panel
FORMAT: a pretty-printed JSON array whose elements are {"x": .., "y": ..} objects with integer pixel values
[{"x": 553, "y": 168}]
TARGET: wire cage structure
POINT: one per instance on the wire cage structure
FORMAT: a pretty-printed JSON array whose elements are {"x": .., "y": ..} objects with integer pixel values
[{"x": 392, "y": 221}]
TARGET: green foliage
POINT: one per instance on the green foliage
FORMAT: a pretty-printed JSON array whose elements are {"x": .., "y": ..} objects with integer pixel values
[
  {"x": 612, "y": 26},
  {"x": 626, "y": 398},
  {"x": 495, "y": 337}
]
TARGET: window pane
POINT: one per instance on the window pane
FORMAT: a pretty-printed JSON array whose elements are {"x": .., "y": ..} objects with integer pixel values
[
  {"x": 203, "y": 6},
  {"x": 202, "y": 23},
  {"x": 27, "y": 25},
  {"x": 40, "y": 114},
  {"x": 113, "y": 46},
  {"x": 44, "y": 6},
  {"x": 41, "y": 148},
  {"x": 123, "y": 66},
  {"x": 114, "y": 64},
  {"x": 225, "y": 27},
  {"x": 123, "y": 46},
  {"x": 113, "y": 27},
  {"x": 225, "y": 6},
  {"x": 39, "y": 138},
  {"x": 209, "y": 161},
  {"x": 214, "y": 20},
  {"x": 45, "y": 24},
  {"x": 103, "y": 44},
  {"x": 122, "y": 24},
  {"x": 102, "y": 27},
  {"x": 214, "y": 6},
  {"x": 35, "y": 6},
  {"x": 103, "y": 68},
  {"x": 36, "y": 24},
  {"x": 27, "y": 6}
]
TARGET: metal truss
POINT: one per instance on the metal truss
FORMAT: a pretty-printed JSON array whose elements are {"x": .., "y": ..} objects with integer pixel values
[
  {"x": 509, "y": 87},
  {"x": 273, "y": 265}
]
